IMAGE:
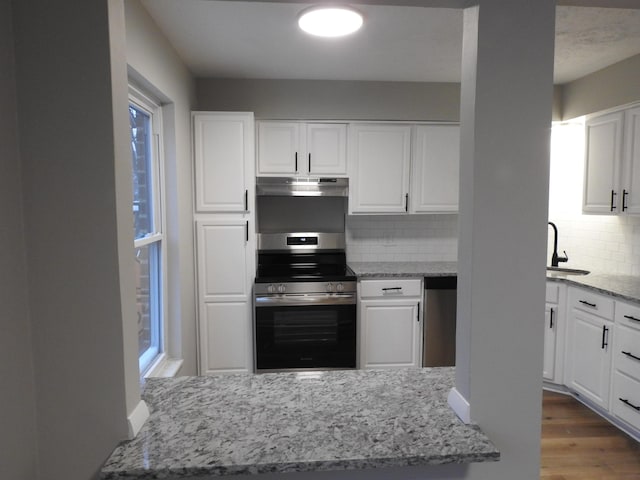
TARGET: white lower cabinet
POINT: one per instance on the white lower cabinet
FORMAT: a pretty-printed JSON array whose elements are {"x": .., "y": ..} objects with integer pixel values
[
  {"x": 602, "y": 358},
  {"x": 625, "y": 396},
  {"x": 390, "y": 323},
  {"x": 554, "y": 332},
  {"x": 555, "y": 324},
  {"x": 225, "y": 249},
  {"x": 225, "y": 328},
  {"x": 589, "y": 346}
]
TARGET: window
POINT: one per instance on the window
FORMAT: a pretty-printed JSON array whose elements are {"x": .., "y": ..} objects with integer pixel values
[{"x": 146, "y": 124}]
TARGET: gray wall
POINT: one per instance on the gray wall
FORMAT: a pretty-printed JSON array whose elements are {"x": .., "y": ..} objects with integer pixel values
[
  {"x": 610, "y": 87},
  {"x": 348, "y": 100},
  {"x": 68, "y": 148},
  {"x": 17, "y": 414},
  {"x": 311, "y": 99},
  {"x": 154, "y": 64}
]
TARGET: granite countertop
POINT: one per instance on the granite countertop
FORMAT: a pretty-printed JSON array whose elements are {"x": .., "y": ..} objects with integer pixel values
[
  {"x": 298, "y": 422},
  {"x": 404, "y": 269},
  {"x": 625, "y": 287}
]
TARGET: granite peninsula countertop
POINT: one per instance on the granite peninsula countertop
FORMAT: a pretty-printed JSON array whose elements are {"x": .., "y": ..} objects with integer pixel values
[
  {"x": 297, "y": 422},
  {"x": 404, "y": 269}
]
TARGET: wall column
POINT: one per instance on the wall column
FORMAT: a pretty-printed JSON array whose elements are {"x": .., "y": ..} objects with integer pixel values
[{"x": 506, "y": 99}]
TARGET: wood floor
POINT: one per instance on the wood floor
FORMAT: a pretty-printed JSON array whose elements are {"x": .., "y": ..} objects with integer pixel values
[{"x": 578, "y": 444}]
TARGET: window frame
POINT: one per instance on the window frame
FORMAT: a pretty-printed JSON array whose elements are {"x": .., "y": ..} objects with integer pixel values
[{"x": 152, "y": 107}]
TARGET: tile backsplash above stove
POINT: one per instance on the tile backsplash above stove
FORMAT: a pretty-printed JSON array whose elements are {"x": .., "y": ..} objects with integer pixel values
[{"x": 388, "y": 238}]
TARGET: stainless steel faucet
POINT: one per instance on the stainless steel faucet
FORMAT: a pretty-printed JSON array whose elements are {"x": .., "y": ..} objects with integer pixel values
[{"x": 555, "y": 258}]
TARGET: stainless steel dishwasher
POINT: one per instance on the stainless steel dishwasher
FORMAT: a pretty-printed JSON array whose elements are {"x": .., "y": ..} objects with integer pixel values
[{"x": 439, "y": 338}]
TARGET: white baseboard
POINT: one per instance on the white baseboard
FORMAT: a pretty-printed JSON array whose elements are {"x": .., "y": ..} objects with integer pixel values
[
  {"x": 137, "y": 419},
  {"x": 459, "y": 405}
]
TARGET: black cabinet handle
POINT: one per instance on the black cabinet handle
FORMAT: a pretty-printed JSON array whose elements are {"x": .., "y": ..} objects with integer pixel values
[
  {"x": 296, "y": 169},
  {"x": 630, "y": 355},
  {"x": 247, "y": 231},
  {"x": 613, "y": 203},
  {"x": 627, "y": 402},
  {"x": 551, "y": 318},
  {"x": 386, "y": 289},
  {"x": 624, "y": 200},
  {"x": 605, "y": 337},
  {"x": 309, "y": 163},
  {"x": 406, "y": 202},
  {"x": 584, "y": 302},
  {"x": 246, "y": 200},
  {"x": 630, "y": 317}
]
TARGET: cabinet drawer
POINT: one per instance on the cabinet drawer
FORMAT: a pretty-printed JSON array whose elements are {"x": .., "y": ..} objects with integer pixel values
[
  {"x": 553, "y": 292},
  {"x": 626, "y": 399},
  {"x": 628, "y": 314},
  {"x": 391, "y": 287},
  {"x": 593, "y": 303},
  {"x": 627, "y": 352}
]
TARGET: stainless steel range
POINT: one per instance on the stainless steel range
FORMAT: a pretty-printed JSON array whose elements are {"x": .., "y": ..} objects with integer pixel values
[
  {"x": 305, "y": 294},
  {"x": 305, "y": 308}
]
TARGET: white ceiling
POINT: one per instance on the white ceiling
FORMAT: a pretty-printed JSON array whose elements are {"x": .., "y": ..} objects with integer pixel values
[{"x": 261, "y": 40}]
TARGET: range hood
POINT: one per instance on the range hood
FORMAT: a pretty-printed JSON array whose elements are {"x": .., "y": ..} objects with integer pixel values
[{"x": 302, "y": 187}]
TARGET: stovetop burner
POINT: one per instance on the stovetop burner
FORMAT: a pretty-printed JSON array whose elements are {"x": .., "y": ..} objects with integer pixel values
[{"x": 303, "y": 267}]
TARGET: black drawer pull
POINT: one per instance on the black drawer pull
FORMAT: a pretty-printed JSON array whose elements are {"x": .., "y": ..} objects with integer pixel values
[
  {"x": 627, "y": 402},
  {"x": 631, "y": 317},
  {"x": 605, "y": 336},
  {"x": 630, "y": 355},
  {"x": 386, "y": 289},
  {"x": 584, "y": 302}
]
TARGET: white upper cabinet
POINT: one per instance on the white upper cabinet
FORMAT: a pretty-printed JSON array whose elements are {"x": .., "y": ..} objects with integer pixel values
[
  {"x": 603, "y": 156},
  {"x": 278, "y": 148},
  {"x": 630, "y": 201},
  {"x": 326, "y": 149},
  {"x": 223, "y": 154},
  {"x": 300, "y": 148},
  {"x": 435, "y": 168},
  {"x": 379, "y": 162}
]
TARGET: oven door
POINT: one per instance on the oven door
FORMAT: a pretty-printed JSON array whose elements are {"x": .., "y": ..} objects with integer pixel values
[{"x": 305, "y": 332}]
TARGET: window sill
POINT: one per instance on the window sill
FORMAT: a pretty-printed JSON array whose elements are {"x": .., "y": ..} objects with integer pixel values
[{"x": 164, "y": 367}]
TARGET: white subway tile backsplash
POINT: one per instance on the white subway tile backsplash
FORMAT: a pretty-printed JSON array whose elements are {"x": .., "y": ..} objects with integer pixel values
[{"x": 402, "y": 238}]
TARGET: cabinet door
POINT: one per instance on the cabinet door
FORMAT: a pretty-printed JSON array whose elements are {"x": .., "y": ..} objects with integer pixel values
[
  {"x": 379, "y": 159},
  {"x": 603, "y": 150},
  {"x": 389, "y": 333},
  {"x": 225, "y": 265},
  {"x": 589, "y": 362},
  {"x": 631, "y": 178},
  {"x": 326, "y": 149},
  {"x": 223, "y": 260},
  {"x": 225, "y": 337},
  {"x": 435, "y": 168},
  {"x": 551, "y": 324},
  {"x": 223, "y": 156},
  {"x": 278, "y": 148}
]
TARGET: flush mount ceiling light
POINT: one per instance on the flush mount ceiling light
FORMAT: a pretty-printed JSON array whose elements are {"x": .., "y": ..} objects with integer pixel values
[{"x": 330, "y": 21}]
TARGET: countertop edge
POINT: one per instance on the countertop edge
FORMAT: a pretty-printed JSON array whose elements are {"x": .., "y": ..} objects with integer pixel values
[{"x": 303, "y": 467}]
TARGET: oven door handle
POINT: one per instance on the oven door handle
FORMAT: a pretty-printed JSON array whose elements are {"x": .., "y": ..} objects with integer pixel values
[{"x": 302, "y": 300}]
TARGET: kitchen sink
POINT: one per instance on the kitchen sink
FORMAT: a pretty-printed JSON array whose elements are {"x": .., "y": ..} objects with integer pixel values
[{"x": 561, "y": 271}]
